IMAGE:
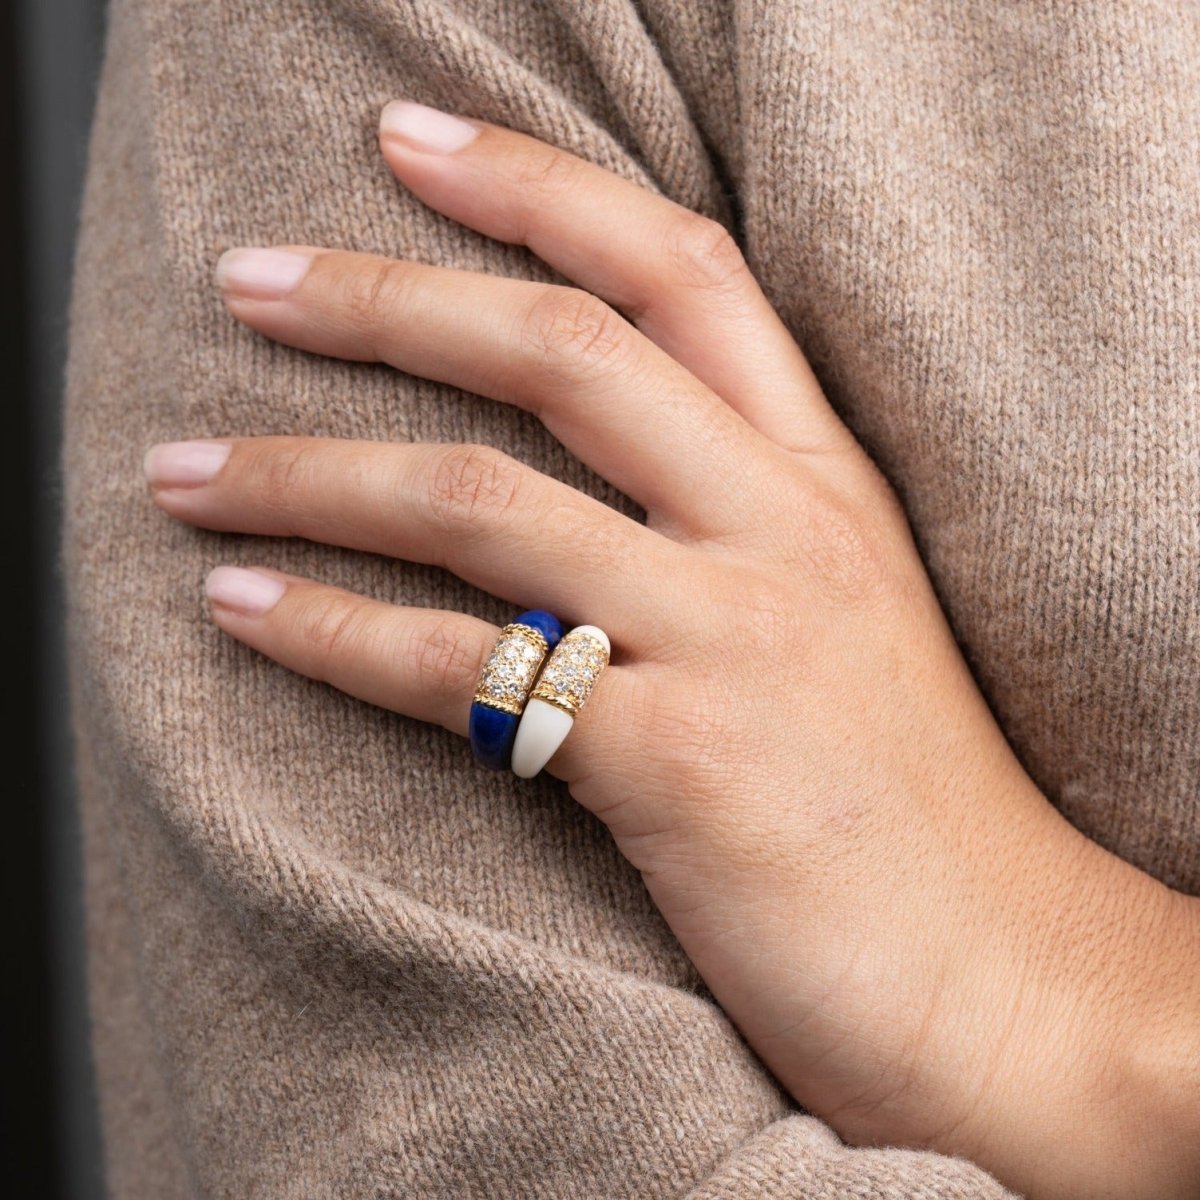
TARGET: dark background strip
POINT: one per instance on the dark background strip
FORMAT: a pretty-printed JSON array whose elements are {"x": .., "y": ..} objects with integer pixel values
[{"x": 49, "y": 52}]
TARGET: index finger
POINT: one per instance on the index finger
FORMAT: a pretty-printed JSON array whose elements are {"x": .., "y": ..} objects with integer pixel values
[{"x": 678, "y": 275}]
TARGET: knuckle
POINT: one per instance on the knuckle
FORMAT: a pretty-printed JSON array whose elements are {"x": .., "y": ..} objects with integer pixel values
[
  {"x": 545, "y": 172},
  {"x": 285, "y": 471},
  {"x": 440, "y": 658},
  {"x": 600, "y": 546},
  {"x": 847, "y": 553},
  {"x": 763, "y": 612},
  {"x": 701, "y": 252},
  {"x": 375, "y": 293},
  {"x": 751, "y": 609},
  {"x": 332, "y": 630},
  {"x": 570, "y": 332},
  {"x": 470, "y": 484}
]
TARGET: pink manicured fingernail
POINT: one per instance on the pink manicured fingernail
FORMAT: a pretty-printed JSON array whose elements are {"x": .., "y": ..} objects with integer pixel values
[
  {"x": 261, "y": 274},
  {"x": 184, "y": 464},
  {"x": 249, "y": 592},
  {"x": 425, "y": 128}
]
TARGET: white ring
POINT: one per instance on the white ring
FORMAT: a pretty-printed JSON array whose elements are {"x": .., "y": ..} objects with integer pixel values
[{"x": 567, "y": 678}]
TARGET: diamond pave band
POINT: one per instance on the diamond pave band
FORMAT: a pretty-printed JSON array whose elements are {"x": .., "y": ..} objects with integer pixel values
[
  {"x": 571, "y": 671},
  {"x": 562, "y": 688},
  {"x": 511, "y": 668},
  {"x": 502, "y": 690}
]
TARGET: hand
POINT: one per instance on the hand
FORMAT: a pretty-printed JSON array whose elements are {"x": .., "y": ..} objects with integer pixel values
[{"x": 788, "y": 744}]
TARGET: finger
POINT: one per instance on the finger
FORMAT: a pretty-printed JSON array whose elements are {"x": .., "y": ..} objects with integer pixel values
[
  {"x": 491, "y": 520},
  {"x": 678, "y": 275},
  {"x": 422, "y": 662},
  {"x": 610, "y": 395}
]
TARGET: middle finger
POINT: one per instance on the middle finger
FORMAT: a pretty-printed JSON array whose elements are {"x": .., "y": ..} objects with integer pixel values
[
  {"x": 472, "y": 509},
  {"x": 608, "y": 393}
]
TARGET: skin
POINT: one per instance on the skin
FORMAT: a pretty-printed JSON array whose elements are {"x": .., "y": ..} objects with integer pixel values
[{"x": 787, "y": 743}]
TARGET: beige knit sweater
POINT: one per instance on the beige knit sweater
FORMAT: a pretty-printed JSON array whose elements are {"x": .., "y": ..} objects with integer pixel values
[{"x": 331, "y": 956}]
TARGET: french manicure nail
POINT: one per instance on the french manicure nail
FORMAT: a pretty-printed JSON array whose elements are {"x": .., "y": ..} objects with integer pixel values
[
  {"x": 425, "y": 128},
  {"x": 184, "y": 464},
  {"x": 261, "y": 274},
  {"x": 251, "y": 593}
]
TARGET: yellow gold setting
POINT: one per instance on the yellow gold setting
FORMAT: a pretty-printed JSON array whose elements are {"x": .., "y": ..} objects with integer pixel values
[
  {"x": 511, "y": 668},
  {"x": 571, "y": 672}
]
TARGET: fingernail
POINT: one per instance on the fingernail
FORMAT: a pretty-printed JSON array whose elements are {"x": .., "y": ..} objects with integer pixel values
[
  {"x": 425, "y": 128},
  {"x": 261, "y": 274},
  {"x": 184, "y": 464},
  {"x": 249, "y": 592}
]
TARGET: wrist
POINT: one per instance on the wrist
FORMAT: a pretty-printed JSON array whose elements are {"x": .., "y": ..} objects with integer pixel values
[
  {"x": 1156, "y": 1076},
  {"x": 1093, "y": 1088}
]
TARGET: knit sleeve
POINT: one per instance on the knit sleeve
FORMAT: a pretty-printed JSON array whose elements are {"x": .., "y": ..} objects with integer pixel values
[{"x": 329, "y": 956}]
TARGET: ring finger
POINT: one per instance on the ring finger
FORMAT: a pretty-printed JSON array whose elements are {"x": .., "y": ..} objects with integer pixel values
[{"x": 421, "y": 662}]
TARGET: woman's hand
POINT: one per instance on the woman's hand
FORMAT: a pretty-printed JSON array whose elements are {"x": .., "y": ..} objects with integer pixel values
[{"x": 788, "y": 744}]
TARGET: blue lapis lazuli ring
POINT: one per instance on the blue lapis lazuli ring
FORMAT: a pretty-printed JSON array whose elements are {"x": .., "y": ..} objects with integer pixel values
[{"x": 505, "y": 683}]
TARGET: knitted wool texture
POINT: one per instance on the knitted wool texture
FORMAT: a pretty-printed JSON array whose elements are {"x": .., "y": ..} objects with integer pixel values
[{"x": 329, "y": 955}]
